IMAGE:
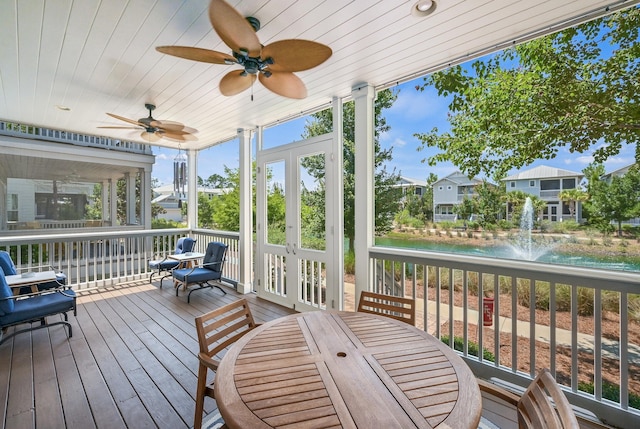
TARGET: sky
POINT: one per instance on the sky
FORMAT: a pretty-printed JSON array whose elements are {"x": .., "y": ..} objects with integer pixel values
[{"x": 413, "y": 112}]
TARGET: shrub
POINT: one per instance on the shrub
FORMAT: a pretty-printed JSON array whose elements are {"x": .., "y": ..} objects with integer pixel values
[
  {"x": 611, "y": 392},
  {"x": 350, "y": 263},
  {"x": 505, "y": 225},
  {"x": 166, "y": 224},
  {"x": 472, "y": 347}
]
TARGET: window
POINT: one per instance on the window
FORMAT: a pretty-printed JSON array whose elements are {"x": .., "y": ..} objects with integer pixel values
[
  {"x": 532, "y": 183},
  {"x": 12, "y": 207},
  {"x": 568, "y": 183},
  {"x": 440, "y": 188},
  {"x": 449, "y": 188},
  {"x": 550, "y": 185},
  {"x": 513, "y": 184}
]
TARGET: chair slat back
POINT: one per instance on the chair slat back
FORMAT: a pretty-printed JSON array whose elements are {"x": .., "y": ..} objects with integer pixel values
[
  {"x": 399, "y": 308},
  {"x": 222, "y": 327},
  {"x": 536, "y": 410}
]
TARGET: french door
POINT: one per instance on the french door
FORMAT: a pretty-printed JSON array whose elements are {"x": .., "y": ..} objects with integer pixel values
[{"x": 297, "y": 241}]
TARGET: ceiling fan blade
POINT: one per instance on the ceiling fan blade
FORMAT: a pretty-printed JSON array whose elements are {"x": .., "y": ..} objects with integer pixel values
[
  {"x": 173, "y": 127},
  {"x": 234, "y": 30},
  {"x": 294, "y": 55},
  {"x": 178, "y": 136},
  {"x": 286, "y": 84},
  {"x": 150, "y": 137},
  {"x": 197, "y": 54},
  {"x": 167, "y": 125},
  {"x": 122, "y": 118},
  {"x": 234, "y": 82}
]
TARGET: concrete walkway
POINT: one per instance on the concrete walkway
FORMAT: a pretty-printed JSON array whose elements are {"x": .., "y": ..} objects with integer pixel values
[{"x": 610, "y": 348}]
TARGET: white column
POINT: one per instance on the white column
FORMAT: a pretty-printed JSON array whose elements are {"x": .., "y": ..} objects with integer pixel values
[
  {"x": 113, "y": 201},
  {"x": 245, "y": 246},
  {"x": 145, "y": 197},
  {"x": 131, "y": 198},
  {"x": 363, "y": 96},
  {"x": 3, "y": 203},
  {"x": 192, "y": 188},
  {"x": 105, "y": 201},
  {"x": 336, "y": 231}
]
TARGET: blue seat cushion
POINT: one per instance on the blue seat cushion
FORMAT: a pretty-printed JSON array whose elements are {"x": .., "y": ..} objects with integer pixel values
[
  {"x": 6, "y": 305},
  {"x": 199, "y": 275},
  {"x": 6, "y": 263},
  {"x": 39, "y": 306},
  {"x": 163, "y": 264}
]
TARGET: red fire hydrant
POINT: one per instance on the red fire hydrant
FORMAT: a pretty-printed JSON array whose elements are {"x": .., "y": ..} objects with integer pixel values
[{"x": 487, "y": 311}]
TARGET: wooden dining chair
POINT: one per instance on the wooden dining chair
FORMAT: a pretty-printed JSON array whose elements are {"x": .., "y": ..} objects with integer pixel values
[
  {"x": 217, "y": 330},
  {"x": 399, "y": 308},
  {"x": 535, "y": 407}
]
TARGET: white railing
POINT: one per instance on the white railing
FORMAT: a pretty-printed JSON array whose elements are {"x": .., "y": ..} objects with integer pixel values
[
  {"x": 93, "y": 260},
  {"x": 566, "y": 333},
  {"x": 51, "y": 134}
]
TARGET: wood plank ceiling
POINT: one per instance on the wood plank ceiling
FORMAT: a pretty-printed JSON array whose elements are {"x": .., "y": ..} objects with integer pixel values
[{"x": 98, "y": 56}]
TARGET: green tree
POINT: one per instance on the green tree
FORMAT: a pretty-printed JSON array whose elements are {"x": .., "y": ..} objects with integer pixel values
[
  {"x": 489, "y": 203},
  {"x": 226, "y": 207},
  {"x": 573, "y": 197},
  {"x": 387, "y": 194},
  {"x": 572, "y": 90},
  {"x": 465, "y": 209},
  {"x": 616, "y": 200},
  {"x": 205, "y": 211},
  {"x": 516, "y": 200}
]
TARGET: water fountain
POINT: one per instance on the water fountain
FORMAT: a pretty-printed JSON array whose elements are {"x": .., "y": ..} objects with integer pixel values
[{"x": 524, "y": 245}]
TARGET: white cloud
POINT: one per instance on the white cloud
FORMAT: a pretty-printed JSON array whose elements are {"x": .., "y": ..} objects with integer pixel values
[
  {"x": 162, "y": 156},
  {"x": 398, "y": 142}
]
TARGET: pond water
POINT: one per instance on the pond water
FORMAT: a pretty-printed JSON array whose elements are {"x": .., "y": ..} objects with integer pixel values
[{"x": 506, "y": 252}]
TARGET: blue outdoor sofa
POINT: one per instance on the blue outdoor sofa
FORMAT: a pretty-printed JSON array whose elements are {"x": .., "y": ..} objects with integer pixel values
[{"x": 33, "y": 309}]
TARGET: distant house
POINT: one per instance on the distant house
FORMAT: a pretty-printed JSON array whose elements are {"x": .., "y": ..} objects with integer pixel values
[
  {"x": 166, "y": 197},
  {"x": 619, "y": 173},
  {"x": 449, "y": 192},
  {"x": 546, "y": 183},
  {"x": 413, "y": 186},
  {"x": 36, "y": 204}
]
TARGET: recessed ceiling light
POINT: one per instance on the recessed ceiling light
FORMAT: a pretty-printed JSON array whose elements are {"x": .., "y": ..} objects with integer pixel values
[
  {"x": 423, "y": 8},
  {"x": 61, "y": 107}
]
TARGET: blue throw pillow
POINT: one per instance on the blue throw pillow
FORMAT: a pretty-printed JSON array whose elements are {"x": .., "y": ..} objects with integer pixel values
[
  {"x": 6, "y": 263},
  {"x": 6, "y": 306}
]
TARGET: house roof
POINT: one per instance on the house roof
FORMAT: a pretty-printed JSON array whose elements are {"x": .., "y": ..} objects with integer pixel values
[
  {"x": 620, "y": 171},
  {"x": 543, "y": 172},
  {"x": 460, "y": 179},
  {"x": 412, "y": 182}
]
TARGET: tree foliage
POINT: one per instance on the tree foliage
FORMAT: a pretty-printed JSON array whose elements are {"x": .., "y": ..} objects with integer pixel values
[
  {"x": 614, "y": 200},
  {"x": 387, "y": 194},
  {"x": 571, "y": 90}
]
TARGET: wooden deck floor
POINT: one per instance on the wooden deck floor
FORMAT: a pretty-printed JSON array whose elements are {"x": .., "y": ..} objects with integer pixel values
[{"x": 131, "y": 362}]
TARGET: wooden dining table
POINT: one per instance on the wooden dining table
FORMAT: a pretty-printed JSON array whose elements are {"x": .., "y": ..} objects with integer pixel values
[{"x": 344, "y": 369}]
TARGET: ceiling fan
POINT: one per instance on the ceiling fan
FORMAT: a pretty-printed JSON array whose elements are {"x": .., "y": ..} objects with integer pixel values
[
  {"x": 154, "y": 129},
  {"x": 273, "y": 64}
]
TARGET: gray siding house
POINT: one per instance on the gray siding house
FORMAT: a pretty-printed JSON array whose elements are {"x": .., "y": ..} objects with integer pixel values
[
  {"x": 450, "y": 191},
  {"x": 546, "y": 183}
]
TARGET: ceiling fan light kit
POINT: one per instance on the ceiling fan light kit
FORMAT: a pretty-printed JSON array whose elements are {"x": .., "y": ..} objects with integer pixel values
[
  {"x": 154, "y": 130},
  {"x": 273, "y": 64}
]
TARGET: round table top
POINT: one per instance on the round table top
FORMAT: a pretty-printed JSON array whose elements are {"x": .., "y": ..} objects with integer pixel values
[{"x": 344, "y": 369}]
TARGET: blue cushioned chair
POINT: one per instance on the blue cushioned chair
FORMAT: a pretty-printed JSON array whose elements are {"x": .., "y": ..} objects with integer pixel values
[
  {"x": 202, "y": 275},
  {"x": 183, "y": 245},
  {"x": 9, "y": 268},
  {"x": 33, "y": 308}
]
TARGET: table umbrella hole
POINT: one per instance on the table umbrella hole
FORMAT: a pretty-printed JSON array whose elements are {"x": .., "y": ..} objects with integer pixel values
[{"x": 341, "y": 354}]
